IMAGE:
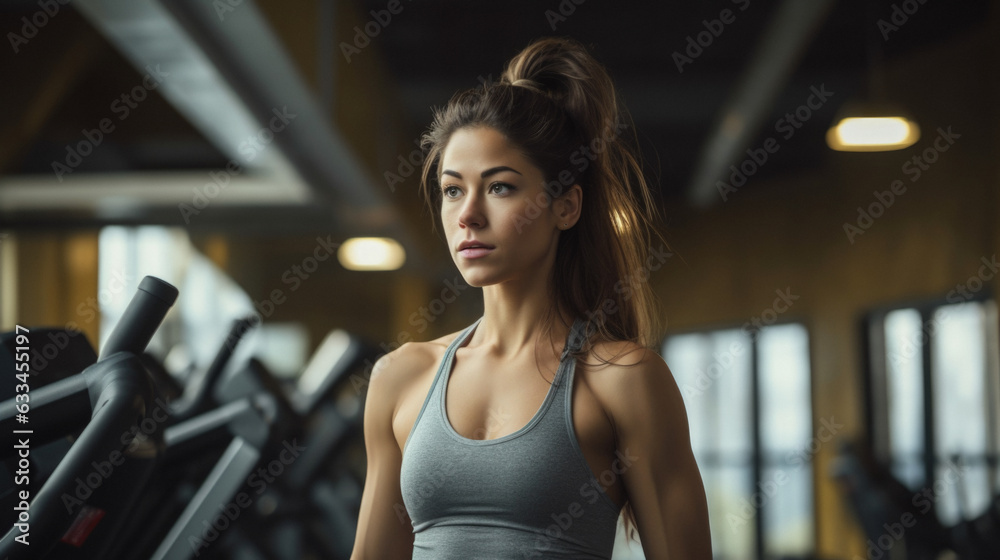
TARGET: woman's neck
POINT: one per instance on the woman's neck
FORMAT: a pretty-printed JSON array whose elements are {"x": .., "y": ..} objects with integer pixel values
[{"x": 516, "y": 313}]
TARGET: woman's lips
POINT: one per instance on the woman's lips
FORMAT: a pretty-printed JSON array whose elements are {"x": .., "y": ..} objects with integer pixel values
[{"x": 475, "y": 252}]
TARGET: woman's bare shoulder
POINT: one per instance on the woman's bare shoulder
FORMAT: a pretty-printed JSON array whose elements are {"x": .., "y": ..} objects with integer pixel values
[
  {"x": 632, "y": 382},
  {"x": 618, "y": 354},
  {"x": 394, "y": 371},
  {"x": 610, "y": 364}
]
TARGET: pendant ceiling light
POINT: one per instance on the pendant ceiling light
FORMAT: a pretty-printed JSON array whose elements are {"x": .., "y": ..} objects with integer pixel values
[
  {"x": 872, "y": 127},
  {"x": 875, "y": 124}
]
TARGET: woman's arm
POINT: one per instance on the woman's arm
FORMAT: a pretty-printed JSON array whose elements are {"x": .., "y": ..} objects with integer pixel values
[
  {"x": 382, "y": 533},
  {"x": 662, "y": 479}
]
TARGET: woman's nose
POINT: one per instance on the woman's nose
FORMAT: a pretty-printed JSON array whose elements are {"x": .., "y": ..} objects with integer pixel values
[{"x": 471, "y": 214}]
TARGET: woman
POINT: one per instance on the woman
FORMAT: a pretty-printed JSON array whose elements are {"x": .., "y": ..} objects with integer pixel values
[{"x": 527, "y": 434}]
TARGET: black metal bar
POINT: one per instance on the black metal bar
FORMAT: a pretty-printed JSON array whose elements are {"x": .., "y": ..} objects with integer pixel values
[
  {"x": 930, "y": 446},
  {"x": 217, "y": 490},
  {"x": 119, "y": 392},
  {"x": 54, "y": 410},
  {"x": 142, "y": 317},
  {"x": 198, "y": 396},
  {"x": 123, "y": 391}
]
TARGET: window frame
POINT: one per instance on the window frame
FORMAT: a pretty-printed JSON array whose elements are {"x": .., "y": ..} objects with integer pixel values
[
  {"x": 874, "y": 376},
  {"x": 756, "y": 461}
]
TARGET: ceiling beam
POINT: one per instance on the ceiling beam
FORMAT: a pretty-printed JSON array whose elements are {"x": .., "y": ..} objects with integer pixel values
[
  {"x": 229, "y": 75},
  {"x": 782, "y": 46}
]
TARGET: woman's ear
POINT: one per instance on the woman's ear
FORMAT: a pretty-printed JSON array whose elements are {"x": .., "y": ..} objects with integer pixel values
[{"x": 567, "y": 207}]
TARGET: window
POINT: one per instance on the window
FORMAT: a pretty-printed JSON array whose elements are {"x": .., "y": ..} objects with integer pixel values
[
  {"x": 932, "y": 399},
  {"x": 206, "y": 306},
  {"x": 748, "y": 399}
]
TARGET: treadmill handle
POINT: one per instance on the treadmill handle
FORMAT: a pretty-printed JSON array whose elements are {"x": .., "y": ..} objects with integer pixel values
[
  {"x": 142, "y": 317},
  {"x": 123, "y": 392}
]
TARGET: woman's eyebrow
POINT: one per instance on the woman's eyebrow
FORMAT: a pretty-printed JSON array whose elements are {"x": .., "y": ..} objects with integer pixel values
[{"x": 484, "y": 174}]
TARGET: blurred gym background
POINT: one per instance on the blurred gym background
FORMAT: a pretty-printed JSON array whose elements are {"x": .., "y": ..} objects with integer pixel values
[{"x": 829, "y": 289}]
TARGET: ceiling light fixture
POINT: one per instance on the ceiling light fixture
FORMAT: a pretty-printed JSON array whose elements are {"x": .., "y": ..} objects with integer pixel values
[
  {"x": 873, "y": 125},
  {"x": 371, "y": 253},
  {"x": 872, "y": 128}
]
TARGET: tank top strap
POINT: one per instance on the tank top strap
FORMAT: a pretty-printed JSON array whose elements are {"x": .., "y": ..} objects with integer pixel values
[
  {"x": 444, "y": 367},
  {"x": 577, "y": 336},
  {"x": 574, "y": 341},
  {"x": 463, "y": 336},
  {"x": 449, "y": 354}
]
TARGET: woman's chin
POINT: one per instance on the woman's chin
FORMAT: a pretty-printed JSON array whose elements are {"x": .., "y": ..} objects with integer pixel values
[
  {"x": 476, "y": 282},
  {"x": 477, "y": 279}
]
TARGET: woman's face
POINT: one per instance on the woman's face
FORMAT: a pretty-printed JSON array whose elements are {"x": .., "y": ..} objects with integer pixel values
[{"x": 498, "y": 221}]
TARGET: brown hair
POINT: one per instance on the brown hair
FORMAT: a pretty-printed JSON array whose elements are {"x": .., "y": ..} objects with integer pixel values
[{"x": 558, "y": 105}]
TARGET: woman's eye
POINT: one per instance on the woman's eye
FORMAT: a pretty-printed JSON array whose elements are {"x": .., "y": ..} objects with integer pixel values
[
  {"x": 501, "y": 188},
  {"x": 450, "y": 191}
]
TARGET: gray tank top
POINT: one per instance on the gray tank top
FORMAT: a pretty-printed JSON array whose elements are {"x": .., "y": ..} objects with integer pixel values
[{"x": 529, "y": 494}]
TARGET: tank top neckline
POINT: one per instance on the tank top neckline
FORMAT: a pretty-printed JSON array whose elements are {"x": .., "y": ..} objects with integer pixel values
[{"x": 447, "y": 365}]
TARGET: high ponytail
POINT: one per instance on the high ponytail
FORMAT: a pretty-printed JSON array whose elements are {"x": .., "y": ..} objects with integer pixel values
[
  {"x": 558, "y": 105},
  {"x": 564, "y": 71}
]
